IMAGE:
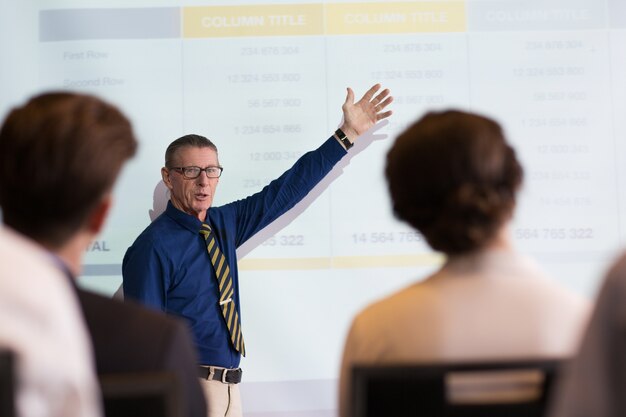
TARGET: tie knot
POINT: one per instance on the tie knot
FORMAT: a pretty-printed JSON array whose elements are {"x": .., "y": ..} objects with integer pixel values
[{"x": 205, "y": 230}]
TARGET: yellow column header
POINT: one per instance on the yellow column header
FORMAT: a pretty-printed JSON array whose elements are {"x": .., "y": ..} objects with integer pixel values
[
  {"x": 395, "y": 17},
  {"x": 249, "y": 21},
  {"x": 320, "y": 19}
]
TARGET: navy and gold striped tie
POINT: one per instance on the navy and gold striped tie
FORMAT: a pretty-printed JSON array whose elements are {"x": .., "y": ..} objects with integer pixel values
[{"x": 226, "y": 289}]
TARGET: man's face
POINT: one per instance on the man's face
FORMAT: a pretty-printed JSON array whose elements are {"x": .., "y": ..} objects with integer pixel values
[{"x": 193, "y": 196}]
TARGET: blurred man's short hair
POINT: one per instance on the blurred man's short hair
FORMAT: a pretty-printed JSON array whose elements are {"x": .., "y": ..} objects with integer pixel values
[{"x": 61, "y": 154}]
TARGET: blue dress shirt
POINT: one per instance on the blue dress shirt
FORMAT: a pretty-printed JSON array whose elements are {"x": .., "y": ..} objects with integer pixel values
[{"x": 168, "y": 267}]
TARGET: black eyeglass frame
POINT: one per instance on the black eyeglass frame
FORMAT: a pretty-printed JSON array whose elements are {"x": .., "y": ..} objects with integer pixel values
[{"x": 200, "y": 171}]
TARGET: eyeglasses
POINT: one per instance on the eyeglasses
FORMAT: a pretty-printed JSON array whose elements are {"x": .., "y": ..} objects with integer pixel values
[{"x": 191, "y": 173}]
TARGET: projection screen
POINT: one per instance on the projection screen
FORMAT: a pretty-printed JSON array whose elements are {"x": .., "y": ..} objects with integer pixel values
[{"x": 265, "y": 81}]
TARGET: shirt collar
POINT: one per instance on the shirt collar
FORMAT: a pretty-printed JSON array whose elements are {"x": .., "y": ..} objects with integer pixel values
[
  {"x": 62, "y": 266},
  {"x": 185, "y": 220}
]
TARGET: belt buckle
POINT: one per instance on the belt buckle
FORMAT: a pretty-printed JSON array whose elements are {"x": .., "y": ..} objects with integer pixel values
[{"x": 224, "y": 376}]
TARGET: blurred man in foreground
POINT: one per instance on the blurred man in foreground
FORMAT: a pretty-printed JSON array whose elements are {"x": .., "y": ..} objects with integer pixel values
[{"x": 62, "y": 153}]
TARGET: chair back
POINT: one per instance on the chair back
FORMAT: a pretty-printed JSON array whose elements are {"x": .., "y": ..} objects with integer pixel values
[
  {"x": 7, "y": 383},
  {"x": 142, "y": 394},
  {"x": 487, "y": 389}
]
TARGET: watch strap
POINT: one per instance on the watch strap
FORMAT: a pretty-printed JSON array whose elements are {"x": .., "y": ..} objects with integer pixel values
[{"x": 343, "y": 138}]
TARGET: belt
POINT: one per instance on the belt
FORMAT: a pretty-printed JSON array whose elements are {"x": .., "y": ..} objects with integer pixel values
[{"x": 227, "y": 376}]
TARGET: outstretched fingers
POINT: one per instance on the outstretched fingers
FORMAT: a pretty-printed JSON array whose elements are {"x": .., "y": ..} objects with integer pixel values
[
  {"x": 382, "y": 100},
  {"x": 387, "y": 99},
  {"x": 370, "y": 93},
  {"x": 383, "y": 115}
]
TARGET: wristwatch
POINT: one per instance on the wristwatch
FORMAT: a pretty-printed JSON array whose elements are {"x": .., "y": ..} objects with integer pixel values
[{"x": 343, "y": 138}]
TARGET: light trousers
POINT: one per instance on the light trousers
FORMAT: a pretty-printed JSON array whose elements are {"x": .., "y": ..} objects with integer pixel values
[{"x": 223, "y": 400}]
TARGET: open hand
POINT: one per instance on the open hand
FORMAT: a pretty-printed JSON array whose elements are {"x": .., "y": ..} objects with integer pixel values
[{"x": 360, "y": 116}]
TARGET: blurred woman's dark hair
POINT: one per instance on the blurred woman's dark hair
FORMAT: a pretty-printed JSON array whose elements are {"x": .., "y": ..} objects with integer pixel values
[{"x": 454, "y": 178}]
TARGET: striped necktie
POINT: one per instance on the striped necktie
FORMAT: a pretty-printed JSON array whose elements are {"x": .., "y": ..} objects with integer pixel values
[{"x": 227, "y": 291}]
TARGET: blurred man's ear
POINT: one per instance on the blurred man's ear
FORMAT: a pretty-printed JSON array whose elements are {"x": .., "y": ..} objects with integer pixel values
[
  {"x": 97, "y": 218},
  {"x": 165, "y": 175}
]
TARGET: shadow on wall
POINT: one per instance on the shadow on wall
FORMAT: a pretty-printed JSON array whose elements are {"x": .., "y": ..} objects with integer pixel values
[{"x": 160, "y": 198}]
